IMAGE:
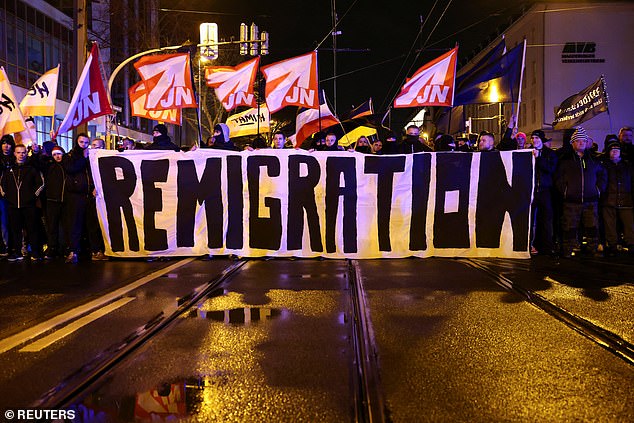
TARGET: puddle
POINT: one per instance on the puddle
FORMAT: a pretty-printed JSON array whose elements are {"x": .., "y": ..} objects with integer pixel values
[
  {"x": 240, "y": 316},
  {"x": 170, "y": 402}
]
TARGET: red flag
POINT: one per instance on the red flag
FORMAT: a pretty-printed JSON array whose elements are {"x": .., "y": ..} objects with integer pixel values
[
  {"x": 90, "y": 99},
  {"x": 234, "y": 85},
  {"x": 292, "y": 82},
  {"x": 168, "y": 81},
  {"x": 432, "y": 84},
  {"x": 138, "y": 96},
  {"x": 309, "y": 121}
]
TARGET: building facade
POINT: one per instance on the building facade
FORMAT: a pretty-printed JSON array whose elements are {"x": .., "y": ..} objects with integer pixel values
[
  {"x": 37, "y": 35},
  {"x": 569, "y": 46}
]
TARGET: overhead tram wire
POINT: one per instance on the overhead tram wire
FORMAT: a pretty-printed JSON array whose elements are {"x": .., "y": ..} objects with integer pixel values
[
  {"x": 352, "y": 72},
  {"x": 420, "y": 31},
  {"x": 423, "y": 46}
]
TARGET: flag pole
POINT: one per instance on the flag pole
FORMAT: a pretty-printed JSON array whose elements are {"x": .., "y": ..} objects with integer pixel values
[
  {"x": 519, "y": 97},
  {"x": 54, "y": 104},
  {"x": 199, "y": 108},
  {"x": 607, "y": 102}
]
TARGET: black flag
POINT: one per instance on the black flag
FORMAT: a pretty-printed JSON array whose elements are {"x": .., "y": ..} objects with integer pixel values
[{"x": 582, "y": 106}]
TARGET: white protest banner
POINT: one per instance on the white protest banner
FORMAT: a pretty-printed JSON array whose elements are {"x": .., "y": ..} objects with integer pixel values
[{"x": 294, "y": 203}]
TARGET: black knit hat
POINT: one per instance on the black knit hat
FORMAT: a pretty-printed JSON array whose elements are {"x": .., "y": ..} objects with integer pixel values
[
  {"x": 160, "y": 128},
  {"x": 539, "y": 134},
  {"x": 609, "y": 138},
  {"x": 612, "y": 145}
]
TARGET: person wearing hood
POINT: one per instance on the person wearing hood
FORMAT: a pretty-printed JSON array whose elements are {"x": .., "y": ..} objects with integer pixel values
[
  {"x": 391, "y": 145},
  {"x": 221, "y": 138},
  {"x": 161, "y": 140}
]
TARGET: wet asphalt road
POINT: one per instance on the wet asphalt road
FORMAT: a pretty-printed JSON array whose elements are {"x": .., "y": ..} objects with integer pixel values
[{"x": 273, "y": 341}]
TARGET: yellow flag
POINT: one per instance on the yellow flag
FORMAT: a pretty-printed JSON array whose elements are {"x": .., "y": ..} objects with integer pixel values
[
  {"x": 40, "y": 99},
  {"x": 11, "y": 119}
]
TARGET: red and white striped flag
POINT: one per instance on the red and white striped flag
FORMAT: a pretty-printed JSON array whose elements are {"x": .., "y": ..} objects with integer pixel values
[
  {"x": 292, "y": 82},
  {"x": 309, "y": 121},
  {"x": 90, "y": 99},
  {"x": 234, "y": 85}
]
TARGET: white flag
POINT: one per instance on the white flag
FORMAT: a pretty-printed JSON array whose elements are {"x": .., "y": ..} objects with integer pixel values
[
  {"x": 11, "y": 119},
  {"x": 40, "y": 99}
]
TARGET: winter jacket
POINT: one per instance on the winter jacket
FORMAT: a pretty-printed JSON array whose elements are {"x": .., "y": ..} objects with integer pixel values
[
  {"x": 580, "y": 179},
  {"x": 21, "y": 185},
  {"x": 162, "y": 142},
  {"x": 620, "y": 181},
  {"x": 78, "y": 175},
  {"x": 55, "y": 178},
  {"x": 412, "y": 144},
  {"x": 545, "y": 167}
]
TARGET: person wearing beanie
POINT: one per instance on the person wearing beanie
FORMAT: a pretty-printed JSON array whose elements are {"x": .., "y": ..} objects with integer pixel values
[
  {"x": 580, "y": 180},
  {"x": 55, "y": 177},
  {"x": 161, "y": 141},
  {"x": 445, "y": 143},
  {"x": 617, "y": 200},
  {"x": 7, "y": 159},
  {"x": 542, "y": 219}
]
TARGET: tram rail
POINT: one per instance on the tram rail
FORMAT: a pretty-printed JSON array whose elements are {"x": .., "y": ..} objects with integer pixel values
[
  {"x": 368, "y": 404},
  {"x": 601, "y": 336}
]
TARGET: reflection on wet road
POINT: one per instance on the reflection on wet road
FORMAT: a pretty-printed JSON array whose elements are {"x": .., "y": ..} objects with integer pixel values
[{"x": 278, "y": 340}]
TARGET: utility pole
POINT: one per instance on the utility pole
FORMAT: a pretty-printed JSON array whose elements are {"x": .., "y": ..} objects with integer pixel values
[
  {"x": 80, "y": 39},
  {"x": 335, "y": 32}
]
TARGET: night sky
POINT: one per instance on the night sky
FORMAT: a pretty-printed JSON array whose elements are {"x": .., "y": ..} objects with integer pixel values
[{"x": 387, "y": 29}]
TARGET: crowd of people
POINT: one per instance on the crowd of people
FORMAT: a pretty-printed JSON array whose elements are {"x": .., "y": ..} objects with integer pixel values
[{"x": 582, "y": 201}]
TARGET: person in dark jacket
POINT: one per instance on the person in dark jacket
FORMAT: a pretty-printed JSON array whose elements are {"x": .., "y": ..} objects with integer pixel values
[
  {"x": 222, "y": 141},
  {"x": 412, "y": 143},
  {"x": 486, "y": 142},
  {"x": 79, "y": 193},
  {"x": 580, "y": 179},
  {"x": 161, "y": 140},
  {"x": 617, "y": 200},
  {"x": 7, "y": 159},
  {"x": 55, "y": 178},
  {"x": 332, "y": 144},
  {"x": 445, "y": 143},
  {"x": 391, "y": 145},
  {"x": 542, "y": 241},
  {"x": 21, "y": 185}
]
